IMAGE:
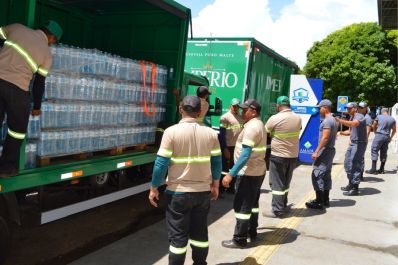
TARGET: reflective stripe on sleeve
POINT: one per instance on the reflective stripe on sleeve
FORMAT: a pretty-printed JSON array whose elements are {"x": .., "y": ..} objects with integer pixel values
[
  {"x": 286, "y": 135},
  {"x": 16, "y": 135},
  {"x": 259, "y": 149},
  {"x": 177, "y": 251},
  {"x": 242, "y": 216},
  {"x": 159, "y": 130},
  {"x": 24, "y": 54},
  {"x": 255, "y": 210},
  {"x": 215, "y": 152},
  {"x": 199, "y": 244},
  {"x": 42, "y": 71},
  {"x": 164, "y": 152},
  {"x": 190, "y": 160},
  {"x": 3, "y": 34},
  {"x": 275, "y": 192},
  {"x": 248, "y": 142}
]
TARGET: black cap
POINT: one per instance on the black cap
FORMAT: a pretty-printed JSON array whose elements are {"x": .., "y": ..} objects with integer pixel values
[
  {"x": 191, "y": 104},
  {"x": 202, "y": 91},
  {"x": 251, "y": 103}
]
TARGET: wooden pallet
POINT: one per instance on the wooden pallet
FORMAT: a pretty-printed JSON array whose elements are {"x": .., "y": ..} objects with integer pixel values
[{"x": 51, "y": 160}]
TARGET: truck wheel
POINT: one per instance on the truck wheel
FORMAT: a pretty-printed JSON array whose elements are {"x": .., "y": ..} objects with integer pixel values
[
  {"x": 99, "y": 180},
  {"x": 5, "y": 240}
]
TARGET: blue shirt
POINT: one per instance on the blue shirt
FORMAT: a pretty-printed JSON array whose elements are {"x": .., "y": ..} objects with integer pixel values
[{"x": 385, "y": 124}]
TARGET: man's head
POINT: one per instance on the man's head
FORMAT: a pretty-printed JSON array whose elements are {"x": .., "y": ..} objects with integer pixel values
[
  {"x": 352, "y": 108},
  {"x": 190, "y": 107},
  {"x": 363, "y": 107},
  {"x": 250, "y": 109},
  {"x": 384, "y": 111},
  {"x": 282, "y": 102},
  {"x": 325, "y": 107},
  {"x": 234, "y": 108},
  {"x": 203, "y": 92},
  {"x": 53, "y": 31}
]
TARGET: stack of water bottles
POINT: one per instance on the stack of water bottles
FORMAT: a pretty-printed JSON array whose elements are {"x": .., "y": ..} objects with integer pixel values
[
  {"x": 95, "y": 101},
  {"x": 31, "y": 144}
]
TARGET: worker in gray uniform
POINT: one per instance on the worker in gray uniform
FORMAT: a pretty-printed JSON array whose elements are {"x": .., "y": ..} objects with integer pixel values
[
  {"x": 363, "y": 109},
  {"x": 385, "y": 128},
  {"x": 356, "y": 149},
  {"x": 323, "y": 157}
]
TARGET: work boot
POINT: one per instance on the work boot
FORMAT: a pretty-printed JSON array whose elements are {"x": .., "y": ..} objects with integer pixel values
[
  {"x": 326, "y": 202},
  {"x": 373, "y": 170},
  {"x": 346, "y": 188},
  {"x": 381, "y": 170},
  {"x": 354, "y": 191},
  {"x": 233, "y": 244},
  {"x": 317, "y": 203}
]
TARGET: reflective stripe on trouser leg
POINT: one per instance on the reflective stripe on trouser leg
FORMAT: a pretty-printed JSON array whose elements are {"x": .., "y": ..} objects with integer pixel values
[
  {"x": 280, "y": 174},
  {"x": 16, "y": 135}
]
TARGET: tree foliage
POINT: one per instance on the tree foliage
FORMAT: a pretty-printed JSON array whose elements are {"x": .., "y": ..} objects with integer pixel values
[{"x": 358, "y": 61}]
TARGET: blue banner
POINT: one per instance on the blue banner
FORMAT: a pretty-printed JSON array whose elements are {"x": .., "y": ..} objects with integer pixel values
[{"x": 304, "y": 96}]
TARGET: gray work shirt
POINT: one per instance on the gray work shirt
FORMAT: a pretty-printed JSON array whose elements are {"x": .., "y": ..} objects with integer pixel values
[
  {"x": 368, "y": 120},
  {"x": 384, "y": 124},
  {"x": 358, "y": 134},
  {"x": 329, "y": 123}
]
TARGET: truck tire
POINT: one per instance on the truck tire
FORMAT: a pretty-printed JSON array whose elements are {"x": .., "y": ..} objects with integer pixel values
[
  {"x": 5, "y": 240},
  {"x": 99, "y": 180}
]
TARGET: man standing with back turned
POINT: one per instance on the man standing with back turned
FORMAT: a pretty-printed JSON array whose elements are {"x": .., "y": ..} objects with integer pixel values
[
  {"x": 323, "y": 156},
  {"x": 24, "y": 55},
  {"x": 383, "y": 125},
  {"x": 284, "y": 128},
  {"x": 194, "y": 155}
]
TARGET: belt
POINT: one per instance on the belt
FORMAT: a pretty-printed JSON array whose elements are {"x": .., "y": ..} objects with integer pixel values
[
  {"x": 358, "y": 142},
  {"x": 382, "y": 133}
]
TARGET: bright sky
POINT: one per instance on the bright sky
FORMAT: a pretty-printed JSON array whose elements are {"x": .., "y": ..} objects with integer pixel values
[{"x": 289, "y": 27}]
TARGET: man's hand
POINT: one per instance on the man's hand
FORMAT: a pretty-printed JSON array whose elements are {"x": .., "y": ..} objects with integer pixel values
[
  {"x": 227, "y": 154},
  {"x": 153, "y": 196},
  {"x": 36, "y": 112},
  {"x": 214, "y": 189},
  {"x": 314, "y": 155},
  {"x": 226, "y": 181}
]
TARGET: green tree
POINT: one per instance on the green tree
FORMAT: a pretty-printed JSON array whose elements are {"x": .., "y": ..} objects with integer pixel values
[{"x": 358, "y": 61}]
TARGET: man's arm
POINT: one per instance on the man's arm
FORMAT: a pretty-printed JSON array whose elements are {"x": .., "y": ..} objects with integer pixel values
[
  {"x": 393, "y": 131},
  {"x": 353, "y": 123},
  {"x": 159, "y": 173},
  {"x": 322, "y": 143},
  {"x": 374, "y": 125},
  {"x": 37, "y": 92}
]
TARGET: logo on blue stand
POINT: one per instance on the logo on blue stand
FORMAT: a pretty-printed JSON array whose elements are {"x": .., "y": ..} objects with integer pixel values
[{"x": 300, "y": 95}]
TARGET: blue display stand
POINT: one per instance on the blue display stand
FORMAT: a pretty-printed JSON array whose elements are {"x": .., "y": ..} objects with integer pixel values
[{"x": 304, "y": 96}]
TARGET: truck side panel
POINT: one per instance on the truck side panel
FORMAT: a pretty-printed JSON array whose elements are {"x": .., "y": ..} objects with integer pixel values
[{"x": 268, "y": 79}]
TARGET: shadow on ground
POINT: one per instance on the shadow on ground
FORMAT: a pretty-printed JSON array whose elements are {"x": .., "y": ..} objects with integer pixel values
[
  {"x": 368, "y": 191},
  {"x": 373, "y": 179},
  {"x": 275, "y": 236},
  {"x": 342, "y": 203}
]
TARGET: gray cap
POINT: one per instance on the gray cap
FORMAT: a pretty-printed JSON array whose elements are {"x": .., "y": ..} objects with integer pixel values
[
  {"x": 324, "y": 103},
  {"x": 352, "y": 105},
  {"x": 251, "y": 103},
  {"x": 191, "y": 104},
  {"x": 384, "y": 110},
  {"x": 363, "y": 104}
]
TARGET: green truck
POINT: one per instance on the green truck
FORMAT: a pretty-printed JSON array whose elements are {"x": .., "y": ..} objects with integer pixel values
[
  {"x": 149, "y": 30},
  {"x": 240, "y": 68}
]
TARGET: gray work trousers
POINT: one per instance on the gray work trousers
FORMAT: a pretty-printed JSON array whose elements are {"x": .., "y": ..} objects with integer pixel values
[
  {"x": 280, "y": 175},
  {"x": 380, "y": 143},
  {"x": 322, "y": 171},
  {"x": 353, "y": 161}
]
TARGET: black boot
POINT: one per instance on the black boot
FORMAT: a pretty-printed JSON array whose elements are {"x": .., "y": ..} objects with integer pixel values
[
  {"x": 326, "y": 198},
  {"x": 373, "y": 169},
  {"x": 381, "y": 170},
  {"x": 346, "y": 188},
  {"x": 317, "y": 203},
  {"x": 353, "y": 191}
]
